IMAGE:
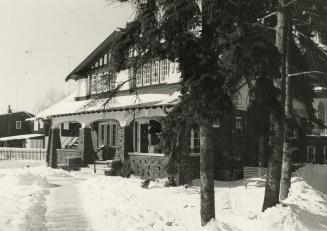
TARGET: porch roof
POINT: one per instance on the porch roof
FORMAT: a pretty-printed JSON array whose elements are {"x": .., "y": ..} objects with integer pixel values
[
  {"x": 20, "y": 137},
  {"x": 70, "y": 106}
]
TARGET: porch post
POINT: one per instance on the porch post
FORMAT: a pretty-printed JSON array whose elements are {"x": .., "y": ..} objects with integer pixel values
[
  {"x": 85, "y": 145},
  {"x": 55, "y": 143}
]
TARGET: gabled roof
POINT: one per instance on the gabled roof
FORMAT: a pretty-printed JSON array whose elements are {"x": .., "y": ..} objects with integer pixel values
[
  {"x": 18, "y": 112},
  {"x": 91, "y": 57}
]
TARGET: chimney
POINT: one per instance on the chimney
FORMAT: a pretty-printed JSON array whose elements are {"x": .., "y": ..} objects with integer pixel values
[{"x": 9, "y": 109}]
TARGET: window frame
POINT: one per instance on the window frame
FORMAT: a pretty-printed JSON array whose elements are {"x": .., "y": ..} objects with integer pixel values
[
  {"x": 108, "y": 133},
  {"x": 239, "y": 123},
  {"x": 18, "y": 124},
  {"x": 308, "y": 154}
]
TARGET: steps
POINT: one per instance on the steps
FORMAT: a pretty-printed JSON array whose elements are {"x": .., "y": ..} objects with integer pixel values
[{"x": 101, "y": 166}]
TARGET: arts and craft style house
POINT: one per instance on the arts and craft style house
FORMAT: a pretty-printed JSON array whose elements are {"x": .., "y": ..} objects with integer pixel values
[
  {"x": 19, "y": 131},
  {"x": 130, "y": 125}
]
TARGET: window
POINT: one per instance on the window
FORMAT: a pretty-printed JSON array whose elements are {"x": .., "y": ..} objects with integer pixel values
[
  {"x": 109, "y": 56},
  {"x": 96, "y": 64},
  {"x": 100, "y": 82},
  {"x": 131, "y": 52},
  {"x": 105, "y": 81},
  {"x": 107, "y": 133},
  {"x": 36, "y": 125},
  {"x": 66, "y": 126},
  {"x": 112, "y": 80},
  {"x": 193, "y": 140},
  {"x": 101, "y": 62},
  {"x": 94, "y": 84},
  {"x": 294, "y": 134},
  {"x": 155, "y": 72},
  {"x": 238, "y": 123},
  {"x": 147, "y": 136},
  {"x": 18, "y": 125},
  {"x": 139, "y": 77},
  {"x": 105, "y": 59},
  {"x": 41, "y": 124},
  {"x": 146, "y": 74},
  {"x": 163, "y": 70},
  {"x": 325, "y": 154},
  {"x": 311, "y": 154}
]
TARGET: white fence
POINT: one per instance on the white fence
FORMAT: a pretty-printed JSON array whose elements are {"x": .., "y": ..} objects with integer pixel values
[{"x": 23, "y": 154}]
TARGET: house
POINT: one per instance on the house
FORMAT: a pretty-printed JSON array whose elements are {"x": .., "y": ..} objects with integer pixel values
[
  {"x": 131, "y": 122},
  {"x": 16, "y": 130},
  {"x": 314, "y": 146}
]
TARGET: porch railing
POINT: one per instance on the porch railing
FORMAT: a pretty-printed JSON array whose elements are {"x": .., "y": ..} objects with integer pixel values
[{"x": 22, "y": 154}]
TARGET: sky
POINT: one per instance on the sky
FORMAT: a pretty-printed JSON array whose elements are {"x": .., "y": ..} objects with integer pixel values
[{"x": 37, "y": 39}]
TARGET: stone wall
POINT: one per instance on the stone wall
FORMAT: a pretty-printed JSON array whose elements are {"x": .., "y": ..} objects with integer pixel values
[
  {"x": 148, "y": 166},
  {"x": 119, "y": 155}
]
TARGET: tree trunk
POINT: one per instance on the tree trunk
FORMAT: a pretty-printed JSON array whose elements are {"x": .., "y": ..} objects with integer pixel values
[
  {"x": 285, "y": 183},
  {"x": 261, "y": 150},
  {"x": 271, "y": 197},
  {"x": 206, "y": 175}
]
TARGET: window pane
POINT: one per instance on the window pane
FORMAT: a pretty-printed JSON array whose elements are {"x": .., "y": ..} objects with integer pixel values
[
  {"x": 105, "y": 81},
  {"x": 112, "y": 80},
  {"x": 146, "y": 74},
  {"x": 105, "y": 59},
  {"x": 139, "y": 77},
  {"x": 163, "y": 70},
  {"x": 114, "y": 136},
  {"x": 155, "y": 72},
  {"x": 101, "y": 62},
  {"x": 99, "y": 83},
  {"x": 93, "y": 84}
]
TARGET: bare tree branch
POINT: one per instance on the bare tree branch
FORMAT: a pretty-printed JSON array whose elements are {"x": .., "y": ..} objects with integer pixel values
[
  {"x": 262, "y": 20},
  {"x": 307, "y": 73}
]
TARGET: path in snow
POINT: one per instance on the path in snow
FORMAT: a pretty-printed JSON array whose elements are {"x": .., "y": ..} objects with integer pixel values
[{"x": 64, "y": 212}]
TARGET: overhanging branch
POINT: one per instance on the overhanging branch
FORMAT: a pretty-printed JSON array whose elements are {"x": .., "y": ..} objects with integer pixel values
[{"x": 307, "y": 73}]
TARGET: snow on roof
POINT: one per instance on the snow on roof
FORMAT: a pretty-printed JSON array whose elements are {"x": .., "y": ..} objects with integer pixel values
[
  {"x": 69, "y": 105},
  {"x": 20, "y": 137}
]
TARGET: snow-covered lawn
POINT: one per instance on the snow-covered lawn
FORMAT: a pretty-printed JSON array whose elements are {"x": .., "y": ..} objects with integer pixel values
[
  {"x": 121, "y": 204},
  {"x": 115, "y": 203}
]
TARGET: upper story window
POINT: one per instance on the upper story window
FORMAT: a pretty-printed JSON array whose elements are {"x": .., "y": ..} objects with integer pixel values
[
  {"x": 101, "y": 62},
  {"x": 105, "y": 59},
  {"x": 18, "y": 125},
  {"x": 102, "y": 82},
  {"x": 151, "y": 73}
]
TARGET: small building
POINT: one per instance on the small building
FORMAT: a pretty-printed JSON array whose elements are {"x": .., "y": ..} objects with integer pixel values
[{"x": 16, "y": 130}]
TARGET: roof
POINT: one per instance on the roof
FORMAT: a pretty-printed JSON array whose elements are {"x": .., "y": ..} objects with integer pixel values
[
  {"x": 69, "y": 106},
  {"x": 90, "y": 58},
  {"x": 20, "y": 137},
  {"x": 17, "y": 112}
]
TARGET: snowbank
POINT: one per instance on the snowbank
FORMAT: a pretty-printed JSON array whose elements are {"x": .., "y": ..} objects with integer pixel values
[{"x": 115, "y": 203}]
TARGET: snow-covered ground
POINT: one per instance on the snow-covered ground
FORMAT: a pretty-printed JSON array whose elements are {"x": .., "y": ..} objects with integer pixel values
[{"x": 114, "y": 203}]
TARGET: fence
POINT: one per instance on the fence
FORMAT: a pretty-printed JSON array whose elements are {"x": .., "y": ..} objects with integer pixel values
[
  {"x": 22, "y": 154},
  {"x": 251, "y": 172}
]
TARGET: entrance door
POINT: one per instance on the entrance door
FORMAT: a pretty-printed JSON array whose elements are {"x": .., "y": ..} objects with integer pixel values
[{"x": 107, "y": 134}]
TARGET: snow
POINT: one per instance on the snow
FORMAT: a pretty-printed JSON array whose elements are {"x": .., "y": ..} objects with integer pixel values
[
  {"x": 70, "y": 105},
  {"x": 29, "y": 198},
  {"x": 121, "y": 204}
]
